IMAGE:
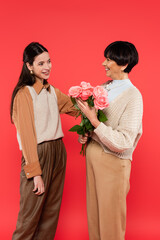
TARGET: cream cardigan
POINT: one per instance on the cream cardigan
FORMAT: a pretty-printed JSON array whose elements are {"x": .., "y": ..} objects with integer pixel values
[{"x": 120, "y": 134}]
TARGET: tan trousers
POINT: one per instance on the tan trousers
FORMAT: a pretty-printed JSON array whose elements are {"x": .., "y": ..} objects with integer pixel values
[
  {"x": 107, "y": 188},
  {"x": 38, "y": 215}
]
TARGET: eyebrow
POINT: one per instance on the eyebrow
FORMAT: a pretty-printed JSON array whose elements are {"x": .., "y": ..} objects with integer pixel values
[{"x": 44, "y": 61}]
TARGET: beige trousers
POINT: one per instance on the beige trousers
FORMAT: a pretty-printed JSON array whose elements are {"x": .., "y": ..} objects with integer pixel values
[{"x": 107, "y": 188}]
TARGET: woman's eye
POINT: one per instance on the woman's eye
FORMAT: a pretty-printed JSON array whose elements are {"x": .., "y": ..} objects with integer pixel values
[
  {"x": 49, "y": 61},
  {"x": 41, "y": 63}
]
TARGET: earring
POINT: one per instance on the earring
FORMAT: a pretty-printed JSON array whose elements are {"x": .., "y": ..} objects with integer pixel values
[{"x": 31, "y": 72}]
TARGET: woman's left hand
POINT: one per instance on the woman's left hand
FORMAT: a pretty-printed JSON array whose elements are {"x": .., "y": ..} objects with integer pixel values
[
  {"x": 89, "y": 112},
  {"x": 38, "y": 185},
  {"x": 83, "y": 139}
]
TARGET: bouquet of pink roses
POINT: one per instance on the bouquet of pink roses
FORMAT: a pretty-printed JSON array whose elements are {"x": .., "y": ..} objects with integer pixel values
[{"x": 95, "y": 97}]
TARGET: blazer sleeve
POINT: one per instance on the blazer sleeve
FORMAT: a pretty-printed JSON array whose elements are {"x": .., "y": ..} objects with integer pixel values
[
  {"x": 65, "y": 104},
  {"x": 23, "y": 118}
]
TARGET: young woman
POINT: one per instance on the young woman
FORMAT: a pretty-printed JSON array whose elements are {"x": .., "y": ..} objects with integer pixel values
[
  {"x": 35, "y": 111},
  {"x": 109, "y": 153}
]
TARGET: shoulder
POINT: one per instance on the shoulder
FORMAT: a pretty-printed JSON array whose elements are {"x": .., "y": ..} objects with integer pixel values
[
  {"x": 23, "y": 94},
  {"x": 130, "y": 98},
  {"x": 133, "y": 93},
  {"x": 55, "y": 91},
  {"x": 23, "y": 91},
  {"x": 59, "y": 94},
  {"x": 54, "y": 88},
  {"x": 134, "y": 99}
]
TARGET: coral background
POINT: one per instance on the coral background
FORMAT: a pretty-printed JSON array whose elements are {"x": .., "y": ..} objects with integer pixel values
[{"x": 76, "y": 34}]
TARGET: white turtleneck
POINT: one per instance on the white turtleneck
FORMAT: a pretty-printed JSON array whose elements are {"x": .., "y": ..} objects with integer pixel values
[{"x": 116, "y": 87}]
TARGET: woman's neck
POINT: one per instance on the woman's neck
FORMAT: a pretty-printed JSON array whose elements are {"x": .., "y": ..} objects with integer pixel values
[
  {"x": 40, "y": 80},
  {"x": 122, "y": 76}
]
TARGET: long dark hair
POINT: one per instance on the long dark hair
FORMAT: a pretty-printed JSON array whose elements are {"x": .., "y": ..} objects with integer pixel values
[{"x": 26, "y": 78}]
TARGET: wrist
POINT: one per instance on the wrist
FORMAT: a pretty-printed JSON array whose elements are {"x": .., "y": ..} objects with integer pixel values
[
  {"x": 95, "y": 122},
  {"x": 37, "y": 176}
]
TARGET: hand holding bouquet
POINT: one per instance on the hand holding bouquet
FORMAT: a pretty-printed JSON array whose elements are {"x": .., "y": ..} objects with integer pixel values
[{"x": 95, "y": 97}]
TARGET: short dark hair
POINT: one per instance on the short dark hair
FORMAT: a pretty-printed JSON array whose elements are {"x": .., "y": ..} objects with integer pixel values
[{"x": 122, "y": 53}]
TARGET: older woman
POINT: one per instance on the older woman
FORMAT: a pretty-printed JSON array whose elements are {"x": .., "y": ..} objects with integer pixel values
[{"x": 109, "y": 153}]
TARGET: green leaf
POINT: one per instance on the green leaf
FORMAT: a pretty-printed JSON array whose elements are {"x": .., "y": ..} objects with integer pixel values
[
  {"x": 90, "y": 101},
  {"x": 82, "y": 122},
  {"x": 74, "y": 103},
  {"x": 75, "y": 128},
  {"x": 73, "y": 100},
  {"x": 76, "y": 107},
  {"x": 81, "y": 131},
  {"x": 78, "y": 115},
  {"x": 88, "y": 124},
  {"x": 101, "y": 116}
]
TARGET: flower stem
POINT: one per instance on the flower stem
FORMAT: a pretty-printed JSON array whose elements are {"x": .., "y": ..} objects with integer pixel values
[{"x": 83, "y": 149}]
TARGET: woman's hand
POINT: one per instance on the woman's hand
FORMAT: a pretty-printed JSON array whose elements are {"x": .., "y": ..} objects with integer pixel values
[
  {"x": 89, "y": 112},
  {"x": 83, "y": 139},
  {"x": 38, "y": 185}
]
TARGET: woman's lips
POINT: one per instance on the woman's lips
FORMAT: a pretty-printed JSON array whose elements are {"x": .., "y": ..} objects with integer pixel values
[{"x": 46, "y": 73}]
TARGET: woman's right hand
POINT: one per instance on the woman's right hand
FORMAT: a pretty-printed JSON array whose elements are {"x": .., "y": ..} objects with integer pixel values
[
  {"x": 38, "y": 185},
  {"x": 90, "y": 112},
  {"x": 83, "y": 139}
]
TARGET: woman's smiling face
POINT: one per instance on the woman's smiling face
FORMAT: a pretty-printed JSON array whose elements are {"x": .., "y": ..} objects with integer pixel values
[
  {"x": 41, "y": 66},
  {"x": 113, "y": 70}
]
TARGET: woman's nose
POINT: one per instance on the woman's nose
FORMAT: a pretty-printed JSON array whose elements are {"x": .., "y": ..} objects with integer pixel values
[
  {"x": 104, "y": 63},
  {"x": 47, "y": 66}
]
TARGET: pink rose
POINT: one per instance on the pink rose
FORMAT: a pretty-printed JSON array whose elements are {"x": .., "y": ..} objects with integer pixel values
[
  {"x": 101, "y": 102},
  {"x": 86, "y": 94},
  {"x": 75, "y": 91},
  {"x": 99, "y": 91},
  {"x": 86, "y": 86},
  {"x": 100, "y": 97},
  {"x": 87, "y": 90}
]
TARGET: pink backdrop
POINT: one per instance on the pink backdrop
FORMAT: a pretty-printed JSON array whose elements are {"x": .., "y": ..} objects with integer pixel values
[{"x": 76, "y": 34}]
